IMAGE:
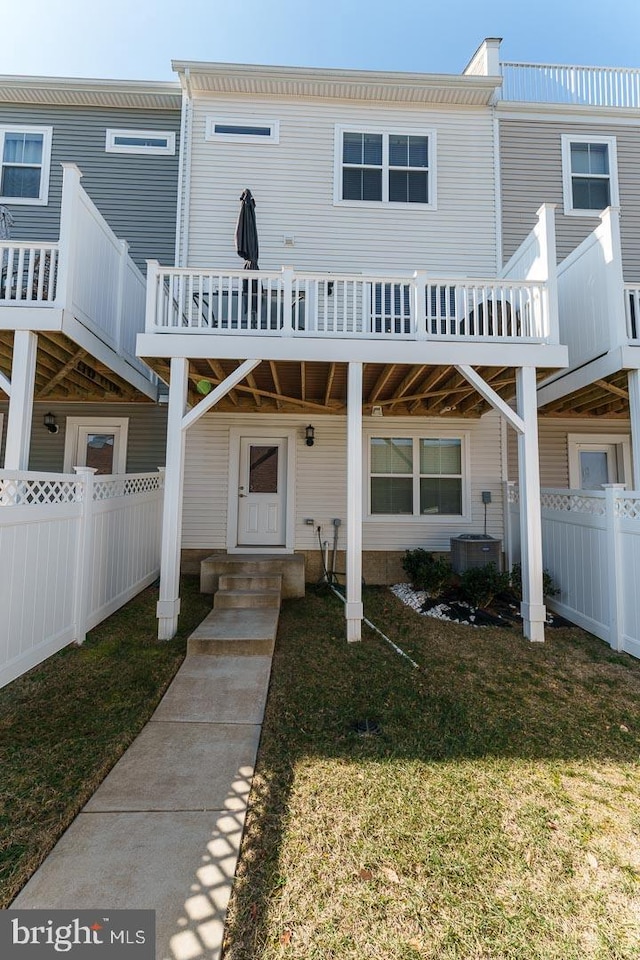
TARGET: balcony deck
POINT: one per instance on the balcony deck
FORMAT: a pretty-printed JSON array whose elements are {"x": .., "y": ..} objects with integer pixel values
[
  {"x": 84, "y": 297},
  {"x": 617, "y": 87}
]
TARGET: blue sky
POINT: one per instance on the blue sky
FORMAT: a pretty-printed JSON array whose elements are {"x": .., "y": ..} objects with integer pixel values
[{"x": 137, "y": 39}]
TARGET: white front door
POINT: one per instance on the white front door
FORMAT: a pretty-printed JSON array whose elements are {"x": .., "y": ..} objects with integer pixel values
[{"x": 262, "y": 492}]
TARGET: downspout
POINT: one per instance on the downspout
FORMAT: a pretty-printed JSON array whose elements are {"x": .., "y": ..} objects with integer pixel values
[{"x": 184, "y": 174}]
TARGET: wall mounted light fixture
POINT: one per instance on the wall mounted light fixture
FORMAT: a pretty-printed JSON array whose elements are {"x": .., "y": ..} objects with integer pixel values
[
  {"x": 310, "y": 435},
  {"x": 50, "y": 423}
]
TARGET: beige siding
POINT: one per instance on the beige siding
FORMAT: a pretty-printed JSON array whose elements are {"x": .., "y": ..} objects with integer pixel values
[
  {"x": 320, "y": 482},
  {"x": 554, "y": 458},
  {"x": 531, "y": 174},
  {"x": 293, "y": 184}
]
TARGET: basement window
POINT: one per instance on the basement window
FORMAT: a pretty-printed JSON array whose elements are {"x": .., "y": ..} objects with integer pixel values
[
  {"x": 151, "y": 142},
  {"x": 242, "y": 130}
]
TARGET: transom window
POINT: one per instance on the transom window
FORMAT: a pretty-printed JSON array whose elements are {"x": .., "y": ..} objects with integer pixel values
[
  {"x": 590, "y": 175},
  {"x": 416, "y": 476},
  {"x": 25, "y": 154},
  {"x": 385, "y": 167},
  {"x": 242, "y": 129},
  {"x": 153, "y": 142}
]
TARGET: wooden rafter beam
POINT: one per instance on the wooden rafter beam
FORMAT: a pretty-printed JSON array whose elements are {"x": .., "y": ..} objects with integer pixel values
[
  {"x": 218, "y": 370},
  {"x": 381, "y": 382},
  {"x": 329, "y": 385},
  {"x": 296, "y": 401},
  {"x": 435, "y": 377},
  {"x": 273, "y": 367},
  {"x": 303, "y": 380},
  {"x": 407, "y": 382},
  {"x": 251, "y": 380},
  {"x": 61, "y": 374},
  {"x": 611, "y": 388}
]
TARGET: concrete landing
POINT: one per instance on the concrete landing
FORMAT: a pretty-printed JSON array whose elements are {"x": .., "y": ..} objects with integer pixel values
[{"x": 243, "y": 632}]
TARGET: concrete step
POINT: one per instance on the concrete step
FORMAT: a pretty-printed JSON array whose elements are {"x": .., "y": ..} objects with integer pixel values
[
  {"x": 289, "y": 566},
  {"x": 245, "y": 599},
  {"x": 233, "y": 581},
  {"x": 243, "y": 632}
]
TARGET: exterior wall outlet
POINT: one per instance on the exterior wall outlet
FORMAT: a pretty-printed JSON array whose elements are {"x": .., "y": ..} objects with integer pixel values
[{"x": 309, "y": 521}]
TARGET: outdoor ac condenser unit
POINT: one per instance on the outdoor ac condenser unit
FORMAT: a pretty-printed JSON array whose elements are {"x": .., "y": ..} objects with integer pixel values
[{"x": 475, "y": 550}]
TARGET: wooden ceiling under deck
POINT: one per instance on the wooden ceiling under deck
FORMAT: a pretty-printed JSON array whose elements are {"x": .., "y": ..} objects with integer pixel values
[
  {"x": 67, "y": 373},
  {"x": 602, "y": 398},
  {"x": 319, "y": 387}
]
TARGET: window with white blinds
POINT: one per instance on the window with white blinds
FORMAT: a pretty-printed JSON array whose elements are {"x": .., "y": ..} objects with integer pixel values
[
  {"x": 385, "y": 167},
  {"x": 416, "y": 476}
]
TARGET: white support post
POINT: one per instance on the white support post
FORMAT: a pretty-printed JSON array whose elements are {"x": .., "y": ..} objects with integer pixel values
[
  {"x": 71, "y": 177},
  {"x": 23, "y": 374},
  {"x": 545, "y": 268},
  {"x": 153, "y": 292},
  {"x": 122, "y": 277},
  {"x": 353, "y": 608},
  {"x": 420, "y": 303},
  {"x": 287, "y": 300},
  {"x": 532, "y": 608},
  {"x": 84, "y": 565},
  {"x": 168, "y": 606},
  {"x": 633, "y": 382},
  {"x": 509, "y": 558},
  {"x": 614, "y": 566}
]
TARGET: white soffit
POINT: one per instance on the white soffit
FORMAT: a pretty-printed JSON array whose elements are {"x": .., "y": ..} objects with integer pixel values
[
  {"x": 68, "y": 91},
  {"x": 313, "y": 83}
]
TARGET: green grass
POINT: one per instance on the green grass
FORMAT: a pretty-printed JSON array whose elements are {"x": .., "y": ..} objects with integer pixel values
[
  {"x": 65, "y": 723},
  {"x": 496, "y": 816}
]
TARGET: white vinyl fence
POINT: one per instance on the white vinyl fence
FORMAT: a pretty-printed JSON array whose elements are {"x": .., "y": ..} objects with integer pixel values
[
  {"x": 73, "y": 549},
  {"x": 591, "y": 548}
]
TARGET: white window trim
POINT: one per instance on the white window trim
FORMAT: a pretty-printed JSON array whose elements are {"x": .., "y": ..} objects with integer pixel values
[
  {"x": 47, "y": 136},
  {"x": 621, "y": 441},
  {"x": 167, "y": 151},
  {"x": 610, "y": 143},
  {"x": 210, "y": 131},
  {"x": 430, "y": 133},
  {"x": 117, "y": 425},
  {"x": 440, "y": 519}
]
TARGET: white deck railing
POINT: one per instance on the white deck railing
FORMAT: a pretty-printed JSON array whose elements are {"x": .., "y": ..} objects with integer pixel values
[
  {"x": 75, "y": 547},
  {"x": 88, "y": 273},
  {"x": 561, "y": 83},
  {"x": 591, "y": 548},
  {"x": 286, "y": 303},
  {"x": 28, "y": 273}
]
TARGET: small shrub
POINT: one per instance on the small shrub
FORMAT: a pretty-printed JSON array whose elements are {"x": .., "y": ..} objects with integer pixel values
[
  {"x": 549, "y": 588},
  {"x": 427, "y": 572},
  {"x": 479, "y": 585}
]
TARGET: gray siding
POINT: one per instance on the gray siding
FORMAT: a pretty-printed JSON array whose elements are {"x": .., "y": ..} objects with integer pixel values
[
  {"x": 146, "y": 440},
  {"x": 136, "y": 194},
  {"x": 531, "y": 174}
]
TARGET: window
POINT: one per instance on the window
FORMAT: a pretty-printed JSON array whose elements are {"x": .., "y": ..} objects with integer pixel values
[
  {"x": 25, "y": 156},
  {"x": 589, "y": 175},
  {"x": 242, "y": 130},
  {"x": 99, "y": 442},
  {"x": 385, "y": 167},
  {"x": 417, "y": 476},
  {"x": 153, "y": 142},
  {"x": 596, "y": 459}
]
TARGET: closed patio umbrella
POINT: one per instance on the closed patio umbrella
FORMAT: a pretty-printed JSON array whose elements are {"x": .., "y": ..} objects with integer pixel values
[
  {"x": 247, "y": 232},
  {"x": 6, "y": 222}
]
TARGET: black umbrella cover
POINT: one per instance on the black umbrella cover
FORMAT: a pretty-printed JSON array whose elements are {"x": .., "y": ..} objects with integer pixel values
[{"x": 247, "y": 232}]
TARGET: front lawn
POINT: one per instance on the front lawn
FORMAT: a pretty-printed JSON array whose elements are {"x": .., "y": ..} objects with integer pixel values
[
  {"x": 494, "y": 814},
  {"x": 64, "y": 724}
]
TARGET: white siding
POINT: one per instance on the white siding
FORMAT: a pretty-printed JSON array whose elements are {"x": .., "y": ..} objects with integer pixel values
[
  {"x": 293, "y": 184},
  {"x": 320, "y": 482},
  {"x": 554, "y": 458}
]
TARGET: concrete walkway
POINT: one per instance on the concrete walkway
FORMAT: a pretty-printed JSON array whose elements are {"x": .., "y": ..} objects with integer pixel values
[{"x": 163, "y": 830}]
